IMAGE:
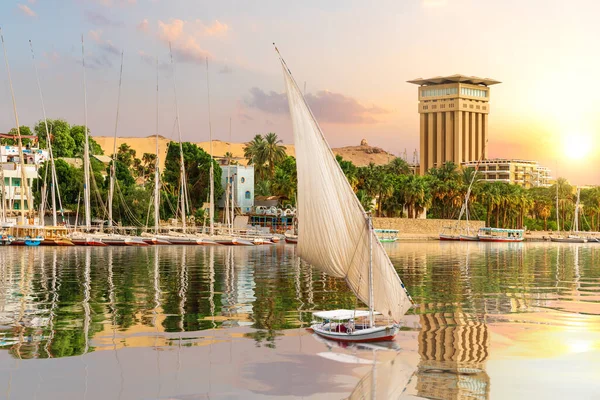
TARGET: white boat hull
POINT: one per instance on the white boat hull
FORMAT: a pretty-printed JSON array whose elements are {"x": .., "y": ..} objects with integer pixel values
[{"x": 375, "y": 334}]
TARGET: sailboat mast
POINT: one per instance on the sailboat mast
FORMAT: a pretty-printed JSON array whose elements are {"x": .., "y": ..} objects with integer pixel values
[
  {"x": 557, "y": 221},
  {"x": 211, "y": 212},
  {"x": 181, "y": 160},
  {"x": 86, "y": 151},
  {"x": 157, "y": 164},
  {"x": 113, "y": 167},
  {"x": 371, "y": 301},
  {"x": 53, "y": 181},
  {"x": 230, "y": 183},
  {"x": 19, "y": 142},
  {"x": 576, "y": 217}
]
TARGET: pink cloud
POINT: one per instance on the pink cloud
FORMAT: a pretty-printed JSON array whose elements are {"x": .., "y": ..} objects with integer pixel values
[
  {"x": 184, "y": 37},
  {"x": 217, "y": 28},
  {"x": 143, "y": 26},
  {"x": 26, "y": 10}
]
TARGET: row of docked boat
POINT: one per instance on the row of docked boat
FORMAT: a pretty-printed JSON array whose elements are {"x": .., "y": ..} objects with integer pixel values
[
  {"x": 486, "y": 235},
  {"x": 30, "y": 235}
]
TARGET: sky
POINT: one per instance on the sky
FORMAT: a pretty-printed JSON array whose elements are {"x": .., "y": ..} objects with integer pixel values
[{"x": 352, "y": 57}]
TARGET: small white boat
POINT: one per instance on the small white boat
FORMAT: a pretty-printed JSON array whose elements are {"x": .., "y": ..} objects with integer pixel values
[{"x": 351, "y": 326}]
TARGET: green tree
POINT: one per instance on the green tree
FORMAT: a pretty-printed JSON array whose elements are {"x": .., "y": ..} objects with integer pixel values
[
  {"x": 197, "y": 173},
  {"x": 126, "y": 155},
  {"x": 63, "y": 144},
  {"x": 78, "y": 135}
]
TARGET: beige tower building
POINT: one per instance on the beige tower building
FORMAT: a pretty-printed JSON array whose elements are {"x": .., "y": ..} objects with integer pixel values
[{"x": 454, "y": 119}]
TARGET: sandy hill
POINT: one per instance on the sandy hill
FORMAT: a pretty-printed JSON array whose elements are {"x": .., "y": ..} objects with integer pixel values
[{"x": 360, "y": 155}]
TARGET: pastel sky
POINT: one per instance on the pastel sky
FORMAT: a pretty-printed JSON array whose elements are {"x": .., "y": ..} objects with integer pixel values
[{"x": 354, "y": 57}]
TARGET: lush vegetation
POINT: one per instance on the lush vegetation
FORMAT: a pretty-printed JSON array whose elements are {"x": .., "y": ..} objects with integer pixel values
[
  {"x": 134, "y": 176},
  {"x": 392, "y": 190}
]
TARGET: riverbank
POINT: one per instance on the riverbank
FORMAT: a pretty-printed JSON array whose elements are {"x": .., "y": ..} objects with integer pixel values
[{"x": 429, "y": 229}]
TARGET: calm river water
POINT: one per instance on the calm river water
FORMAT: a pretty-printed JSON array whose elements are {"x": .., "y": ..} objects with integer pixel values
[{"x": 492, "y": 321}]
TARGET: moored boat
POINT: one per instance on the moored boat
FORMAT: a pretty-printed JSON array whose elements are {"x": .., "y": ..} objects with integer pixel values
[
  {"x": 569, "y": 239},
  {"x": 500, "y": 235},
  {"x": 469, "y": 238},
  {"x": 341, "y": 325},
  {"x": 291, "y": 238},
  {"x": 447, "y": 236},
  {"x": 387, "y": 235}
]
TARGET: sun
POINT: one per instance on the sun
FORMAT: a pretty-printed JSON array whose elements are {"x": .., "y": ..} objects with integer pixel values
[{"x": 577, "y": 146}]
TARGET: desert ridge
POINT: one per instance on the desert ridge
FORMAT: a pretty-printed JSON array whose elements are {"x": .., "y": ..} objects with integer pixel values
[{"x": 360, "y": 155}]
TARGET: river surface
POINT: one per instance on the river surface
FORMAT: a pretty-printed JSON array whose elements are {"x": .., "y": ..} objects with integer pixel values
[{"x": 500, "y": 321}]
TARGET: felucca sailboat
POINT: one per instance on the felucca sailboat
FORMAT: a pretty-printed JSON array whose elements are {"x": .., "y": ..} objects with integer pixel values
[{"x": 335, "y": 235}]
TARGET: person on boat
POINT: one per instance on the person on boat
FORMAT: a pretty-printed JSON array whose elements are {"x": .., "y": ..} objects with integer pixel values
[{"x": 350, "y": 325}]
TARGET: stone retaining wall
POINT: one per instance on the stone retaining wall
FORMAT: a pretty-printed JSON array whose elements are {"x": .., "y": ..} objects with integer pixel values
[{"x": 421, "y": 227}]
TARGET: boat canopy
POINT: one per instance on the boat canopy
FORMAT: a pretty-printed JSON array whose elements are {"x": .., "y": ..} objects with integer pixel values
[
  {"x": 500, "y": 230},
  {"x": 342, "y": 314}
]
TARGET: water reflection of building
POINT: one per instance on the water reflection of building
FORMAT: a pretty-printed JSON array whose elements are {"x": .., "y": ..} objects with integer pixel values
[
  {"x": 453, "y": 352},
  {"x": 239, "y": 288}
]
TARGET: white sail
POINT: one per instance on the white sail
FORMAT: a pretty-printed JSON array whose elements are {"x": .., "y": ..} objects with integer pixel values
[{"x": 333, "y": 228}]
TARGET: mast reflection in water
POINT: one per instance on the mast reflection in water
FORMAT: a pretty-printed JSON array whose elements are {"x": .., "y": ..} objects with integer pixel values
[{"x": 240, "y": 313}]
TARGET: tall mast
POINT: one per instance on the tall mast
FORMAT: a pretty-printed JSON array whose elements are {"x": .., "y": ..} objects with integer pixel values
[
  {"x": 111, "y": 191},
  {"x": 86, "y": 151},
  {"x": 576, "y": 216},
  {"x": 156, "y": 166},
  {"x": 211, "y": 212},
  {"x": 182, "y": 167},
  {"x": 232, "y": 215},
  {"x": 53, "y": 180},
  {"x": 371, "y": 301},
  {"x": 557, "y": 221},
  {"x": 24, "y": 185}
]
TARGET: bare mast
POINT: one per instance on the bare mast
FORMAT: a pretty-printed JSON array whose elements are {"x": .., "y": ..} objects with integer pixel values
[
  {"x": 111, "y": 191},
  {"x": 211, "y": 212},
  {"x": 54, "y": 181},
  {"x": 181, "y": 161},
  {"x": 156, "y": 166},
  {"x": 19, "y": 141},
  {"x": 86, "y": 151}
]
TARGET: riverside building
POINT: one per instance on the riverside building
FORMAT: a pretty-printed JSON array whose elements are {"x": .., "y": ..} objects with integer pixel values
[
  {"x": 454, "y": 114},
  {"x": 524, "y": 173}
]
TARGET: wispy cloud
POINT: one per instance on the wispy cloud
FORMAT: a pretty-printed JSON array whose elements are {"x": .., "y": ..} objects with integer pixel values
[
  {"x": 183, "y": 42},
  {"x": 327, "y": 106},
  {"x": 26, "y": 10},
  {"x": 185, "y": 37},
  {"x": 108, "y": 48},
  {"x": 143, "y": 26},
  {"x": 151, "y": 60},
  {"x": 99, "y": 19}
]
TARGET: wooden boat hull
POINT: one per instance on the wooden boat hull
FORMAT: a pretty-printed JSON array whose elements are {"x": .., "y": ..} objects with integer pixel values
[
  {"x": 57, "y": 242},
  {"x": 186, "y": 241},
  {"x": 388, "y": 240},
  {"x": 234, "y": 242},
  {"x": 499, "y": 239},
  {"x": 375, "y": 334},
  {"x": 449, "y": 237},
  {"x": 156, "y": 241},
  {"x": 88, "y": 242},
  {"x": 469, "y": 238},
  {"x": 568, "y": 240}
]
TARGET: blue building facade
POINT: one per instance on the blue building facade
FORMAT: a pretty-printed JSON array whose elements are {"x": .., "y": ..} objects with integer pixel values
[{"x": 242, "y": 179}]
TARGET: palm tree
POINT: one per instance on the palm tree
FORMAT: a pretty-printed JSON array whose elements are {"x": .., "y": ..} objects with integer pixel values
[{"x": 271, "y": 152}]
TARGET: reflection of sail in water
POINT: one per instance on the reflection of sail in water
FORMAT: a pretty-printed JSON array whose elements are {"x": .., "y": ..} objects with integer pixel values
[
  {"x": 577, "y": 273},
  {"x": 453, "y": 352},
  {"x": 386, "y": 380},
  {"x": 211, "y": 273},
  {"x": 182, "y": 288}
]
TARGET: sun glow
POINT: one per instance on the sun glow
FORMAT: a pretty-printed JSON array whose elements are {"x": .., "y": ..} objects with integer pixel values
[{"x": 577, "y": 146}]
